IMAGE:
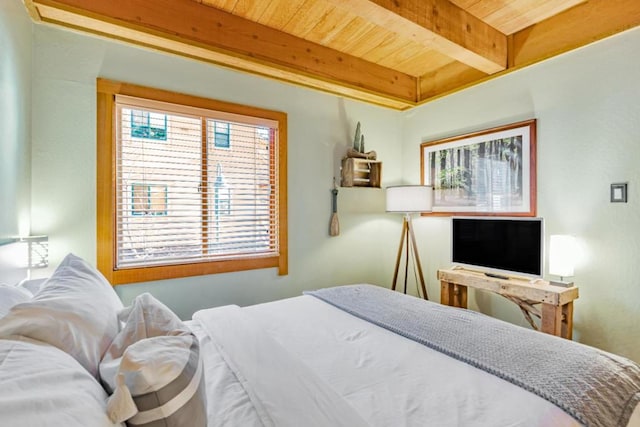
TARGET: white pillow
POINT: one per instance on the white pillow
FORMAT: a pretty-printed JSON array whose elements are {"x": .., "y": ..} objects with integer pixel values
[
  {"x": 32, "y": 285},
  {"x": 10, "y": 296},
  {"x": 76, "y": 311},
  {"x": 154, "y": 369},
  {"x": 44, "y": 386}
]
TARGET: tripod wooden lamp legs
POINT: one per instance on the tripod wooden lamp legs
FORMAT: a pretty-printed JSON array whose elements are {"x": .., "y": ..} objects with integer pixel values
[
  {"x": 406, "y": 199},
  {"x": 408, "y": 243}
]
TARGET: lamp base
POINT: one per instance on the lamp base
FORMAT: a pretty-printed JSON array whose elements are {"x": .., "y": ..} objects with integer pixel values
[{"x": 561, "y": 284}]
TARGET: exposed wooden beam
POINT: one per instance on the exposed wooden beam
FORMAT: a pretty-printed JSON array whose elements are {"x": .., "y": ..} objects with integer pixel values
[
  {"x": 571, "y": 29},
  {"x": 517, "y": 14},
  {"x": 31, "y": 9},
  {"x": 191, "y": 29},
  {"x": 439, "y": 25},
  {"x": 453, "y": 76},
  {"x": 578, "y": 26}
]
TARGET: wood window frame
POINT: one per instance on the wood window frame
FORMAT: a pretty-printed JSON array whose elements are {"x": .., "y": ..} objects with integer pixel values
[{"x": 106, "y": 187}]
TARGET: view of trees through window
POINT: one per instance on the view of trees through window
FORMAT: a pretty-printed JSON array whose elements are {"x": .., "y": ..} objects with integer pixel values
[{"x": 486, "y": 174}]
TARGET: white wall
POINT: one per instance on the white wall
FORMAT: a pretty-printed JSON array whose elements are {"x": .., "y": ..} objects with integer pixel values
[
  {"x": 588, "y": 110},
  {"x": 15, "y": 119},
  {"x": 321, "y": 126}
]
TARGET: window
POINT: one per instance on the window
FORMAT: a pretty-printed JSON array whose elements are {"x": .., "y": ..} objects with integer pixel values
[
  {"x": 179, "y": 206},
  {"x": 148, "y": 199},
  {"x": 262, "y": 133},
  {"x": 221, "y": 136},
  {"x": 146, "y": 124}
]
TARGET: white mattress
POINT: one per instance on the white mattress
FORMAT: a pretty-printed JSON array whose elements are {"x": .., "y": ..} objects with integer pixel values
[{"x": 387, "y": 379}]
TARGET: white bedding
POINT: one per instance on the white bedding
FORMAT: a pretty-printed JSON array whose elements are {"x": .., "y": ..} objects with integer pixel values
[
  {"x": 41, "y": 385},
  {"x": 383, "y": 378}
]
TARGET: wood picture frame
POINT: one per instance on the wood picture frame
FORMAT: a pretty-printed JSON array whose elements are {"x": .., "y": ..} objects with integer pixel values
[{"x": 489, "y": 172}]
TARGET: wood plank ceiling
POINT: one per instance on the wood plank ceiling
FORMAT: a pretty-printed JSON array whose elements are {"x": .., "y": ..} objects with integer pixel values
[{"x": 395, "y": 53}]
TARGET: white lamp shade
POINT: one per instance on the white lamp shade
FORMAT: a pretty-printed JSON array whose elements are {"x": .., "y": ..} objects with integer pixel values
[
  {"x": 562, "y": 251},
  {"x": 409, "y": 198}
]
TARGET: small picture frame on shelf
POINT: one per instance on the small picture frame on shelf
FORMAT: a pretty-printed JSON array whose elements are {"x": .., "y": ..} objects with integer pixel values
[{"x": 619, "y": 192}]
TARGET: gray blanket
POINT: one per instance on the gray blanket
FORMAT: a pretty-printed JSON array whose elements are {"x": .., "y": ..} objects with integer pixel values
[{"x": 595, "y": 387}]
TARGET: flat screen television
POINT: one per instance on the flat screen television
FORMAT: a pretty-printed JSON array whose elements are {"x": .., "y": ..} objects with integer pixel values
[{"x": 509, "y": 245}]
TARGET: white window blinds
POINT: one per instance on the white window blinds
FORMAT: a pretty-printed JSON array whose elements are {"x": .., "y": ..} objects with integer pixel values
[{"x": 193, "y": 185}]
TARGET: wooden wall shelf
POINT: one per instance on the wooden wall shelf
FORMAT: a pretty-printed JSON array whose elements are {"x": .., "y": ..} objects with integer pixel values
[{"x": 361, "y": 172}]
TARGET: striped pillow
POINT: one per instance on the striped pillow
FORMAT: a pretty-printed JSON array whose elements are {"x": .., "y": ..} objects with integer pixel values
[{"x": 154, "y": 370}]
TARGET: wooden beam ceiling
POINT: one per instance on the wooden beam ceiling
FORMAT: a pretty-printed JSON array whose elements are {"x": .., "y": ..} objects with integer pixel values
[
  {"x": 453, "y": 48},
  {"x": 575, "y": 27},
  {"x": 278, "y": 53},
  {"x": 588, "y": 22},
  {"x": 515, "y": 15},
  {"x": 439, "y": 25}
]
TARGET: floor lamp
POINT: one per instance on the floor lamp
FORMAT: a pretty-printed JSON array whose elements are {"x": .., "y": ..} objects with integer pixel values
[{"x": 409, "y": 199}]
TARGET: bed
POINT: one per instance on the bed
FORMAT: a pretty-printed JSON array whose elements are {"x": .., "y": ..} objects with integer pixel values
[{"x": 356, "y": 355}]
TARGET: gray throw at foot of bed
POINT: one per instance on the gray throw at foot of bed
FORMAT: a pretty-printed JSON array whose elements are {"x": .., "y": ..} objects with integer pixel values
[{"x": 595, "y": 387}]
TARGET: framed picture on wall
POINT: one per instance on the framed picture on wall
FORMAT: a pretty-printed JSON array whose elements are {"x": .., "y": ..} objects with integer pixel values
[{"x": 490, "y": 172}]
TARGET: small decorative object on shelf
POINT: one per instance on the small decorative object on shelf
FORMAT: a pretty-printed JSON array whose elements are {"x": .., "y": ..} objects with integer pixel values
[
  {"x": 356, "y": 138},
  {"x": 359, "y": 168},
  {"x": 357, "y": 150}
]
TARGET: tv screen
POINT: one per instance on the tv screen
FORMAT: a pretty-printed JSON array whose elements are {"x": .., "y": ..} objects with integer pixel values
[{"x": 512, "y": 245}]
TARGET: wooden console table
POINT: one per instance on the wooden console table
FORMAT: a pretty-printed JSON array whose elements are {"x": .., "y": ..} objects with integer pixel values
[{"x": 556, "y": 302}]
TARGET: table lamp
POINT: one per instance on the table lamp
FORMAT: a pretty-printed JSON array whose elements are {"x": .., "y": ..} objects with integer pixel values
[
  {"x": 561, "y": 258},
  {"x": 409, "y": 199}
]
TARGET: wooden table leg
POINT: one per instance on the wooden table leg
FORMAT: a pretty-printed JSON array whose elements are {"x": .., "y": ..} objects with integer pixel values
[
  {"x": 453, "y": 294},
  {"x": 460, "y": 296},
  {"x": 446, "y": 293},
  {"x": 567, "y": 320},
  {"x": 551, "y": 319}
]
